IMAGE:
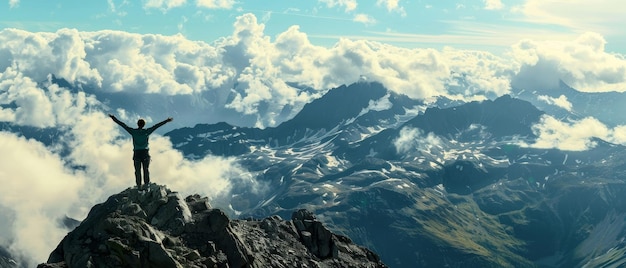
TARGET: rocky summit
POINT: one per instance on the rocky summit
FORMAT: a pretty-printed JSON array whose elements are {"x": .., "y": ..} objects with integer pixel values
[{"x": 156, "y": 227}]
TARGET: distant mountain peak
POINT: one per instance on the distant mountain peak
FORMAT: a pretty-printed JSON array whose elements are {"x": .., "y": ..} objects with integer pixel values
[
  {"x": 338, "y": 104},
  {"x": 503, "y": 116},
  {"x": 369, "y": 104}
]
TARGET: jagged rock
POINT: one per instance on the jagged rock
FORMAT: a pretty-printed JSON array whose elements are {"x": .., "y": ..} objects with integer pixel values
[
  {"x": 53, "y": 265},
  {"x": 158, "y": 228},
  {"x": 319, "y": 240}
]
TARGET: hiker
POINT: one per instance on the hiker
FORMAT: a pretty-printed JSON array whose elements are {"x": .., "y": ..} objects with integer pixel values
[{"x": 141, "y": 157}]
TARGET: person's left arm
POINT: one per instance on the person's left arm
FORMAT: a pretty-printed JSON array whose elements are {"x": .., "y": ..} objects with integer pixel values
[{"x": 158, "y": 125}]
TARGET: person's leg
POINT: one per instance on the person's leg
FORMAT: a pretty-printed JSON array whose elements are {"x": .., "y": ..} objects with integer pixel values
[
  {"x": 146, "y": 172},
  {"x": 137, "y": 172}
]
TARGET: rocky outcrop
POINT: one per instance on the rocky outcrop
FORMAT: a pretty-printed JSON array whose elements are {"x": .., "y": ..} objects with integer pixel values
[{"x": 158, "y": 228}]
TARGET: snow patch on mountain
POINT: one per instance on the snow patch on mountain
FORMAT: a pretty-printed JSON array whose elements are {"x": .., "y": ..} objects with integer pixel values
[{"x": 377, "y": 105}]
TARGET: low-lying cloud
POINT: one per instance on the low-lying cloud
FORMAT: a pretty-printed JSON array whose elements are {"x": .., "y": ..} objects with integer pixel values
[
  {"x": 40, "y": 187},
  {"x": 411, "y": 139},
  {"x": 574, "y": 135},
  {"x": 37, "y": 189},
  {"x": 561, "y": 101}
]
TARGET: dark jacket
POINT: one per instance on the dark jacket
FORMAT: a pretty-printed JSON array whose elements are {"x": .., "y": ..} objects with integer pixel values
[{"x": 140, "y": 135}]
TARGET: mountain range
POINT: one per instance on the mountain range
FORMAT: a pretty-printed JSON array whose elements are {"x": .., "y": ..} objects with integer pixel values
[{"x": 434, "y": 183}]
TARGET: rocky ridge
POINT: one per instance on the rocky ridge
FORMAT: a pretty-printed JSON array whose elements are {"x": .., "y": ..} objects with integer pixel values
[{"x": 156, "y": 227}]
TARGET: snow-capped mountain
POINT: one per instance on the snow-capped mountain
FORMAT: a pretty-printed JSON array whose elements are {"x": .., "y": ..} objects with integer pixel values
[{"x": 428, "y": 186}]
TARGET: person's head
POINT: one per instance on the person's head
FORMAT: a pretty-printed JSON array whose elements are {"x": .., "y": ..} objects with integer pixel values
[{"x": 141, "y": 123}]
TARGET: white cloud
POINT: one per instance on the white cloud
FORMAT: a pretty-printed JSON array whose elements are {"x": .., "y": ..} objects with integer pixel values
[
  {"x": 111, "y": 5},
  {"x": 349, "y": 5},
  {"x": 14, "y": 3},
  {"x": 561, "y": 101},
  {"x": 37, "y": 55},
  {"x": 411, "y": 139},
  {"x": 216, "y": 4},
  {"x": 493, "y": 4},
  {"x": 153, "y": 63},
  {"x": 483, "y": 73},
  {"x": 619, "y": 135},
  {"x": 582, "y": 63},
  {"x": 392, "y": 5},
  {"x": 117, "y": 9},
  {"x": 365, "y": 19},
  {"x": 164, "y": 4},
  {"x": 574, "y": 135},
  {"x": 38, "y": 190},
  {"x": 36, "y": 106}
]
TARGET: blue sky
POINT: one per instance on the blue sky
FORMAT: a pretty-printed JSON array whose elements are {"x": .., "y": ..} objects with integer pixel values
[{"x": 491, "y": 25}]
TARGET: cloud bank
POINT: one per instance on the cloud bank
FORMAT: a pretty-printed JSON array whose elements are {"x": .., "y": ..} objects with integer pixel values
[
  {"x": 37, "y": 189},
  {"x": 582, "y": 63},
  {"x": 251, "y": 79}
]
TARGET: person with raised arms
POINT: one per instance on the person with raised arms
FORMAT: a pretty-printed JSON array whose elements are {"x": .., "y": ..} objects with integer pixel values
[{"x": 141, "y": 156}]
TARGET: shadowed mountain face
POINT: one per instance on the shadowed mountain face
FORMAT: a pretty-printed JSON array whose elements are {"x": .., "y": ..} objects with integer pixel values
[
  {"x": 427, "y": 186},
  {"x": 158, "y": 228}
]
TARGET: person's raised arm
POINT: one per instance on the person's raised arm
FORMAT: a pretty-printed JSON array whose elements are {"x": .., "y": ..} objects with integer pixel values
[
  {"x": 153, "y": 128},
  {"x": 127, "y": 128}
]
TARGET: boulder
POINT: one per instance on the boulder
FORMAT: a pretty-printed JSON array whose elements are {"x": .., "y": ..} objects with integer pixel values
[{"x": 319, "y": 240}]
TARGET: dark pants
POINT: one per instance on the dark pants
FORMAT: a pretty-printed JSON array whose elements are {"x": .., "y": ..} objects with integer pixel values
[{"x": 141, "y": 159}]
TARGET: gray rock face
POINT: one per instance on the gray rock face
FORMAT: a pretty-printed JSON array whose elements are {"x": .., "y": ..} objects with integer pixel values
[{"x": 158, "y": 228}]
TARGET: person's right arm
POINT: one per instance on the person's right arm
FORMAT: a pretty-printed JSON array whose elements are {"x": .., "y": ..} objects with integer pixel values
[{"x": 127, "y": 128}]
